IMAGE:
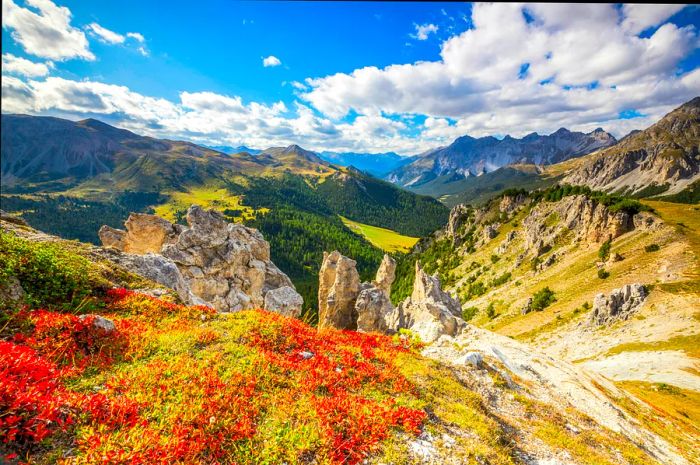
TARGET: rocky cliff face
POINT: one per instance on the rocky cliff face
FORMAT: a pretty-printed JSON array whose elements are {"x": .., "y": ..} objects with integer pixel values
[
  {"x": 618, "y": 305},
  {"x": 589, "y": 221},
  {"x": 211, "y": 261},
  {"x": 667, "y": 153}
]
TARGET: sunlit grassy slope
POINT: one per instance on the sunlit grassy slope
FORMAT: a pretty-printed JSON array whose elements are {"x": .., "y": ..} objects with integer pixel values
[
  {"x": 207, "y": 197},
  {"x": 385, "y": 239},
  {"x": 176, "y": 384}
]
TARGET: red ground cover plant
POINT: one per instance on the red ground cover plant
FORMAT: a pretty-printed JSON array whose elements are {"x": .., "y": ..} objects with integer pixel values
[{"x": 178, "y": 384}]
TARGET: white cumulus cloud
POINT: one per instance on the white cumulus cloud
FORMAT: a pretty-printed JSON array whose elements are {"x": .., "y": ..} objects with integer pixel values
[
  {"x": 524, "y": 68},
  {"x": 271, "y": 61},
  {"x": 17, "y": 65},
  {"x": 105, "y": 35},
  {"x": 43, "y": 29},
  {"x": 424, "y": 30}
]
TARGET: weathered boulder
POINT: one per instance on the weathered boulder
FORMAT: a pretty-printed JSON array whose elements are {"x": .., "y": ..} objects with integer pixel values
[
  {"x": 429, "y": 311},
  {"x": 527, "y": 308},
  {"x": 374, "y": 310},
  {"x": 386, "y": 274},
  {"x": 226, "y": 264},
  {"x": 284, "y": 300},
  {"x": 211, "y": 262},
  {"x": 157, "y": 268},
  {"x": 619, "y": 305},
  {"x": 11, "y": 293},
  {"x": 339, "y": 286},
  {"x": 144, "y": 233},
  {"x": 99, "y": 323}
]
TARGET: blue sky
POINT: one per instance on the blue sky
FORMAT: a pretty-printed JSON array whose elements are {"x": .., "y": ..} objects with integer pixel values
[{"x": 348, "y": 76}]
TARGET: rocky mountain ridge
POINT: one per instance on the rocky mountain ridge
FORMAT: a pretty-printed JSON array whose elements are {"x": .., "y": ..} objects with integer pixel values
[
  {"x": 664, "y": 157},
  {"x": 468, "y": 156}
]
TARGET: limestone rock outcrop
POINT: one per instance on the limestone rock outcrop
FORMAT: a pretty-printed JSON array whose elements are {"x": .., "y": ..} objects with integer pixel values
[
  {"x": 211, "y": 262},
  {"x": 590, "y": 221},
  {"x": 284, "y": 300},
  {"x": 144, "y": 233},
  {"x": 339, "y": 286},
  {"x": 460, "y": 216},
  {"x": 619, "y": 305},
  {"x": 386, "y": 274},
  {"x": 429, "y": 311},
  {"x": 344, "y": 303},
  {"x": 375, "y": 312},
  {"x": 511, "y": 203},
  {"x": 157, "y": 268}
]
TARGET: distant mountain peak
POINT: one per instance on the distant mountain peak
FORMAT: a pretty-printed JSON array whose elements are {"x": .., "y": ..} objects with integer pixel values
[{"x": 467, "y": 155}]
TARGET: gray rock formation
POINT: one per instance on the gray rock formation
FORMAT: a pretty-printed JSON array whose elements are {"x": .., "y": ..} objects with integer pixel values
[
  {"x": 374, "y": 310},
  {"x": 461, "y": 216},
  {"x": 429, "y": 311},
  {"x": 284, "y": 300},
  {"x": 155, "y": 267},
  {"x": 527, "y": 308},
  {"x": 386, "y": 274},
  {"x": 619, "y": 305},
  {"x": 212, "y": 262},
  {"x": 11, "y": 293},
  {"x": 144, "y": 233},
  {"x": 339, "y": 286},
  {"x": 589, "y": 221},
  {"x": 100, "y": 323},
  {"x": 511, "y": 203}
]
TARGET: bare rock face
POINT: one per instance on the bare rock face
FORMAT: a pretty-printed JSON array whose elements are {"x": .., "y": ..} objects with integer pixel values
[
  {"x": 591, "y": 222},
  {"x": 429, "y": 311},
  {"x": 11, "y": 293},
  {"x": 374, "y": 310},
  {"x": 386, "y": 274},
  {"x": 225, "y": 264},
  {"x": 619, "y": 305},
  {"x": 461, "y": 216},
  {"x": 339, "y": 286},
  {"x": 212, "y": 262},
  {"x": 144, "y": 233},
  {"x": 284, "y": 300},
  {"x": 157, "y": 268},
  {"x": 511, "y": 203}
]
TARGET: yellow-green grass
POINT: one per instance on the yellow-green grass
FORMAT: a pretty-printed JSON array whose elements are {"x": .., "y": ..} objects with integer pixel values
[
  {"x": 574, "y": 277},
  {"x": 673, "y": 414},
  {"x": 207, "y": 197},
  {"x": 385, "y": 239},
  {"x": 688, "y": 344}
]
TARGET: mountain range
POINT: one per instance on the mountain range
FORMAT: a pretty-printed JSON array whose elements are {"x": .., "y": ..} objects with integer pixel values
[
  {"x": 468, "y": 156},
  {"x": 660, "y": 160}
]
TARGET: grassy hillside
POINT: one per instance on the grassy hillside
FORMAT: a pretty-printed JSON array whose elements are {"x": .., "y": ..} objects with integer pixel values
[
  {"x": 385, "y": 239},
  {"x": 177, "y": 384}
]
